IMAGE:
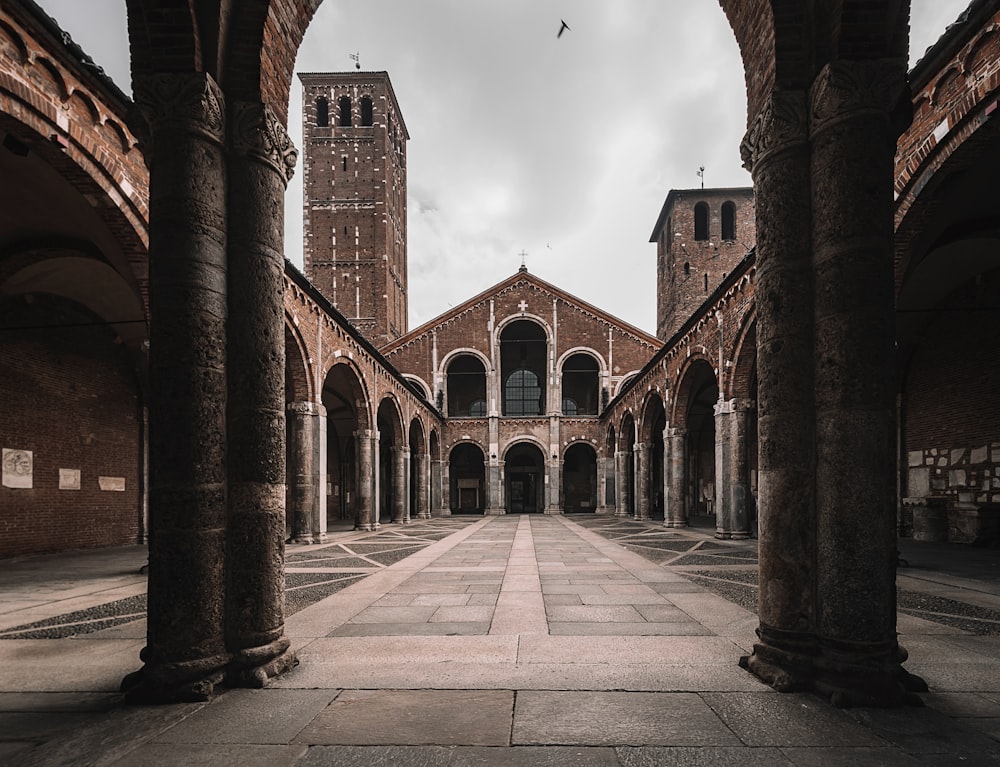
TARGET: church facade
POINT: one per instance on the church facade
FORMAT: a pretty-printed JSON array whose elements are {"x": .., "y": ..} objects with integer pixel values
[{"x": 164, "y": 370}]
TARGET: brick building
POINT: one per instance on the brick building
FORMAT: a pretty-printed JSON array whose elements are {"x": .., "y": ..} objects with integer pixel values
[{"x": 777, "y": 381}]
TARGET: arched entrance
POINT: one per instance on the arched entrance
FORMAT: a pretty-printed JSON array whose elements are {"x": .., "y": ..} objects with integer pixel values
[
  {"x": 524, "y": 472},
  {"x": 580, "y": 479},
  {"x": 393, "y": 498},
  {"x": 467, "y": 474},
  {"x": 341, "y": 393},
  {"x": 654, "y": 421},
  {"x": 700, "y": 452}
]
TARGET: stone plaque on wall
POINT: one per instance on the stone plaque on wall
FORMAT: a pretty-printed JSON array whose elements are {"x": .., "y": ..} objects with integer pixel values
[
  {"x": 114, "y": 484},
  {"x": 18, "y": 468},
  {"x": 69, "y": 479}
]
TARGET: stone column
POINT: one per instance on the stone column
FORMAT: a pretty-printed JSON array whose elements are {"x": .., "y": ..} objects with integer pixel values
[
  {"x": 185, "y": 654},
  {"x": 423, "y": 467},
  {"x": 857, "y": 111},
  {"x": 621, "y": 483},
  {"x": 739, "y": 469},
  {"x": 366, "y": 487},
  {"x": 444, "y": 486},
  {"x": 674, "y": 458},
  {"x": 494, "y": 485},
  {"x": 399, "y": 500},
  {"x": 777, "y": 152},
  {"x": 306, "y": 489},
  {"x": 642, "y": 481},
  {"x": 723, "y": 468},
  {"x": 260, "y": 164},
  {"x": 605, "y": 466},
  {"x": 552, "y": 481}
]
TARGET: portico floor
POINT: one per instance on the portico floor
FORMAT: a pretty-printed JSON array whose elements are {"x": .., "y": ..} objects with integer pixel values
[{"x": 511, "y": 640}]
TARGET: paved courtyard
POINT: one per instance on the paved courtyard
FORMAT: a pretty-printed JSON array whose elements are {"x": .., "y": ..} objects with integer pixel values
[{"x": 518, "y": 640}]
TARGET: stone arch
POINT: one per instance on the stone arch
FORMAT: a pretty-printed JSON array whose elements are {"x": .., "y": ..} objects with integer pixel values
[
  {"x": 419, "y": 471},
  {"x": 393, "y": 447},
  {"x": 298, "y": 372},
  {"x": 579, "y": 476},
  {"x": 524, "y": 471},
  {"x": 653, "y": 422},
  {"x": 348, "y": 426},
  {"x": 467, "y": 477},
  {"x": 625, "y": 469},
  {"x": 580, "y": 372},
  {"x": 466, "y": 374},
  {"x": 420, "y": 384},
  {"x": 625, "y": 381},
  {"x": 743, "y": 372},
  {"x": 524, "y": 344},
  {"x": 694, "y": 411}
]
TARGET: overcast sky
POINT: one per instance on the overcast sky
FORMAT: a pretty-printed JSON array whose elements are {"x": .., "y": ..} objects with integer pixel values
[{"x": 564, "y": 148}]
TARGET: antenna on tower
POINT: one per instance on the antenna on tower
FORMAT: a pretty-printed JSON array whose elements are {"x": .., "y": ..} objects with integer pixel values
[
  {"x": 356, "y": 58},
  {"x": 701, "y": 175}
]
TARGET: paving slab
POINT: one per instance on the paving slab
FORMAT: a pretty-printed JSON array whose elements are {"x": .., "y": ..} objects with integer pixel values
[
  {"x": 414, "y": 717},
  {"x": 617, "y": 718},
  {"x": 186, "y": 755},
  {"x": 251, "y": 716},
  {"x": 922, "y": 731},
  {"x": 846, "y": 756},
  {"x": 535, "y": 756},
  {"x": 377, "y": 756},
  {"x": 637, "y": 628},
  {"x": 762, "y": 719},
  {"x": 659, "y": 756}
]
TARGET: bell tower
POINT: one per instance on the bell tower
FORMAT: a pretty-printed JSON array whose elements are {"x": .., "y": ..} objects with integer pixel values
[{"x": 354, "y": 189}]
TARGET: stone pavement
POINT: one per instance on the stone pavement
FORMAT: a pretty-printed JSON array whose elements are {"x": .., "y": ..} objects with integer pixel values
[{"x": 500, "y": 641}]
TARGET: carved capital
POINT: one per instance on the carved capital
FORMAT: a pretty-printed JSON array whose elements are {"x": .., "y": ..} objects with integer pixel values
[
  {"x": 780, "y": 125},
  {"x": 190, "y": 102},
  {"x": 258, "y": 133},
  {"x": 848, "y": 89}
]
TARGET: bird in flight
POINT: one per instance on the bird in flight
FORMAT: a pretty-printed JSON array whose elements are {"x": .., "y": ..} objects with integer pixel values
[{"x": 562, "y": 29}]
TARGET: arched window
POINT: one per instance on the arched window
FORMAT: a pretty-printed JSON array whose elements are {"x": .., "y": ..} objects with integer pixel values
[
  {"x": 466, "y": 387},
  {"x": 728, "y": 221},
  {"x": 366, "y": 111},
  {"x": 344, "y": 105},
  {"x": 322, "y": 113},
  {"x": 580, "y": 385},
  {"x": 701, "y": 221},
  {"x": 523, "y": 368},
  {"x": 521, "y": 393}
]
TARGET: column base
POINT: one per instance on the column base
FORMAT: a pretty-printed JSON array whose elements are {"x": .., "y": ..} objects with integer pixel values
[
  {"x": 677, "y": 523},
  {"x": 641, "y": 518},
  {"x": 847, "y": 674},
  {"x": 309, "y": 540},
  {"x": 252, "y": 667},
  {"x": 604, "y": 510},
  {"x": 368, "y": 528},
  {"x": 621, "y": 513},
  {"x": 191, "y": 681},
  {"x": 729, "y": 535},
  {"x": 494, "y": 512},
  {"x": 552, "y": 510}
]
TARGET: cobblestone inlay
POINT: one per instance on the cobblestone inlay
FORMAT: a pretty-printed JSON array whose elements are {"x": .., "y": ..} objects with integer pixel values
[{"x": 343, "y": 563}]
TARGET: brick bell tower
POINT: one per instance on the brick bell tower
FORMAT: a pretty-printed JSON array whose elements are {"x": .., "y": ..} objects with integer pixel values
[{"x": 354, "y": 189}]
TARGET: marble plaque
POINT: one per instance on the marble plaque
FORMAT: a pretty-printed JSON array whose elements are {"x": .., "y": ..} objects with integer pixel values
[
  {"x": 69, "y": 479},
  {"x": 18, "y": 468},
  {"x": 114, "y": 484}
]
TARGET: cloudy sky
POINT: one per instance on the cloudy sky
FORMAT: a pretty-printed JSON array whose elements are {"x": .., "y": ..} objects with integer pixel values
[{"x": 563, "y": 148}]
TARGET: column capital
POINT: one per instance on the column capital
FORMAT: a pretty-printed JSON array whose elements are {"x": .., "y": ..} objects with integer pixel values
[
  {"x": 257, "y": 133},
  {"x": 847, "y": 89},
  {"x": 189, "y": 102},
  {"x": 305, "y": 408},
  {"x": 781, "y": 124}
]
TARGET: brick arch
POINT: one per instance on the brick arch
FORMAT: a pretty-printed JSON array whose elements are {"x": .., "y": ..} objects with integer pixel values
[
  {"x": 626, "y": 428},
  {"x": 54, "y": 74},
  {"x": 347, "y": 369},
  {"x": 610, "y": 440},
  {"x": 524, "y": 439},
  {"x": 652, "y": 407},
  {"x": 981, "y": 52},
  {"x": 298, "y": 381},
  {"x": 434, "y": 445},
  {"x": 739, "y": 382},
  {"x": 390, "y": 411},
  {"x": 473, "y": 441},
  {"x": 416, "y": 435},
  {"x": 687, "y": 376},
  {"x": 16, "y": 41}
]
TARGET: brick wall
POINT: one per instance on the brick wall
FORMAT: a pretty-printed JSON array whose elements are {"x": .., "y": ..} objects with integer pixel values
[{"x": 69, "y": 395}]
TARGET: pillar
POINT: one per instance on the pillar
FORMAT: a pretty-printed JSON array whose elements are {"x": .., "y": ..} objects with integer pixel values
[
  {"x": 674, "y": 459},
  {"x": 857, "y": 111},
  {"x": 723, "y": 412},
  {"x": 777, "y": 152},
  {"x": 443, "y": 485},
  {"x": 621, "y": 483},
  {"x": 260, "y": 164},
  {"x": 185, "y": 653},
  {"x": 553, "y": 485},
  {"x": 739, "y": 469},
  {"x": 366, "y": 486},
  {"x": 306, "y": 486},
  {"x": 423, "y": 501},
  {"x": 399, "y": 498},
  {"x": 605, "y": 485},
  {"x": 641, "y": 490}
]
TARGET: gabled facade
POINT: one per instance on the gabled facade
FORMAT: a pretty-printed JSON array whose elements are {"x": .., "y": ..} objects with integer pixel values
[{"x": 521, "y": 373}]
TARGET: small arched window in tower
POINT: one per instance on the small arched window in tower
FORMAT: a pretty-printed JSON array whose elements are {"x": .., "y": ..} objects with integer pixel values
[
  {"x": 701, "y": 221},
  {"x": 729, "y": 221},
  {"x": 322, "y": 113},
  {"x": 706, "y": 282},
  {"x": 344, "y": 105},
  {"x": 366, "y": 111},
  {"x": 687, "y": 267}
]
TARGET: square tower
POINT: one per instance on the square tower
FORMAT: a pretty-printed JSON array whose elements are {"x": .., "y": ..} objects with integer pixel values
[
  {"x": 701, "y": 235},
  {"x": 354, "y": 190}
]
